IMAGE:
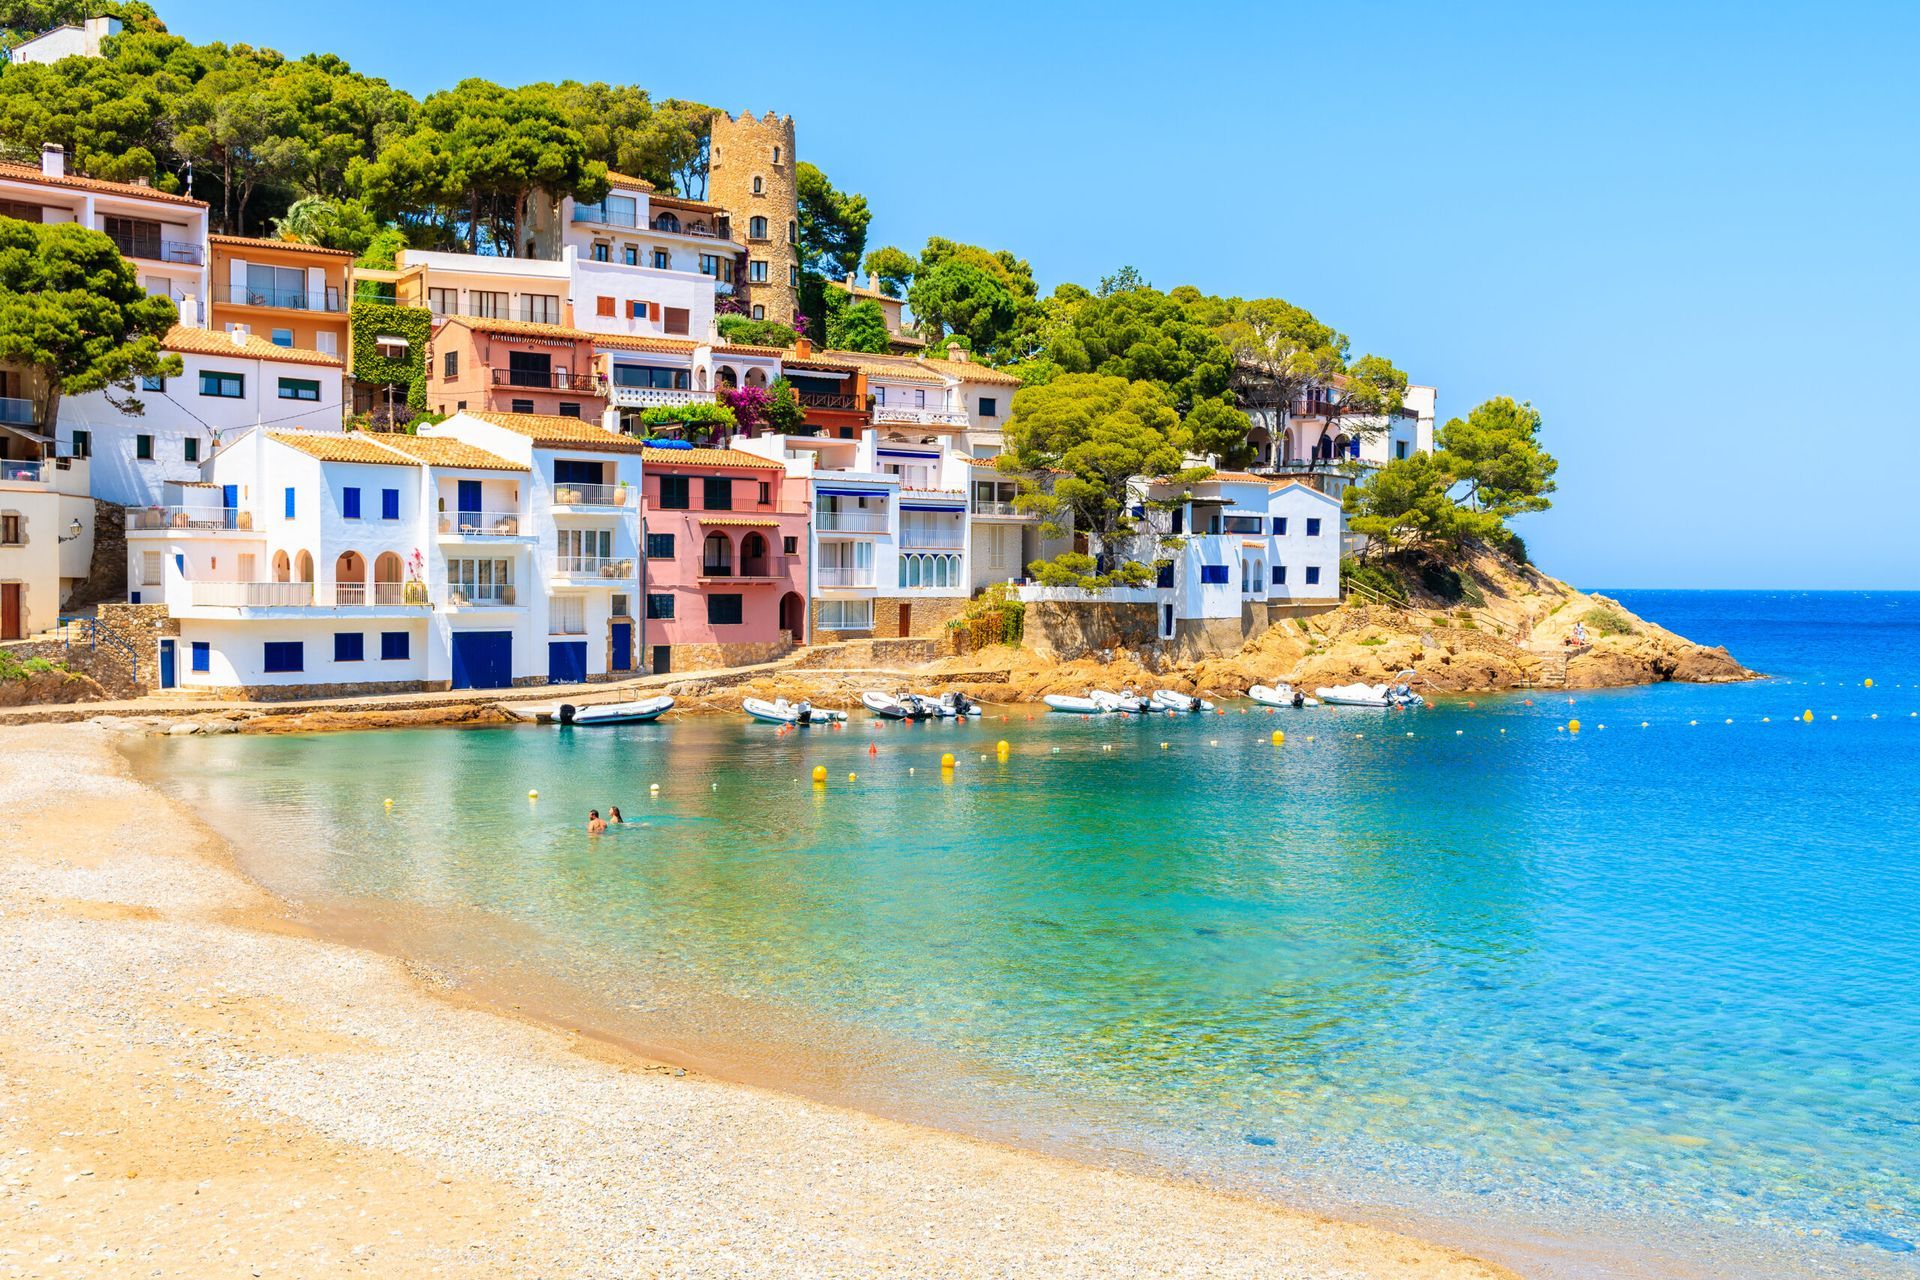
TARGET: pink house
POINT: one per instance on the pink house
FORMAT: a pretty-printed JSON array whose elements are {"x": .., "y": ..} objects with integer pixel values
[{"x": 726, "y": 558}]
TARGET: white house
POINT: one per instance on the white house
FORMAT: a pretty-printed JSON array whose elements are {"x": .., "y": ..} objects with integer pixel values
[
  {"x": 232, "y": 381},
  {"x": 72, "y": 40},
  {"x": 46, "y": 540}
]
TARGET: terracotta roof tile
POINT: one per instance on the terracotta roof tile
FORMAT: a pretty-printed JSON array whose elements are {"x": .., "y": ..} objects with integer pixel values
[
  {"x": 682, "y": 202},
  {"x": 28, "y": 173},
  {"x": 736, "y": 349},
  {"x": 445, "y": 451},
  {"x": 970, "y": 371},
  {"x": 644, "y": 342},
  {"x": 740, "y": 522},
  {"x": 628, "y": 180},
  {"x": 709, "y": 458},
  {"x": 342, "y": 446},
  {"x": 257, "y": 242},
  {"x": 555, "y": 431},
  {"x": 522, "y": 328},
  {"x": 890, "y": 368},
  {"x": 213, "y": 342}
]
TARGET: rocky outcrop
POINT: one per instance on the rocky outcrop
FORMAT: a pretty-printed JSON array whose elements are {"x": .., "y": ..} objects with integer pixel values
[{"x": 42, "y": 687}]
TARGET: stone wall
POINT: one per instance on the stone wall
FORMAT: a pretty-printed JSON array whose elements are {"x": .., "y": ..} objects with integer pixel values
[
  {"x": 692, "y": 659},
  {"x": 1068, "y": 629},
  {"x": 864, "y": 653},
  {"x": 138, "y": 627},
  {"x": 927, "y": 618},
  {"x": 107, "y": 571}
]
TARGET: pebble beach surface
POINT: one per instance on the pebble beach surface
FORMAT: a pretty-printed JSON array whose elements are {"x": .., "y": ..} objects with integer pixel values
[{"x": 190, "y": 1085}]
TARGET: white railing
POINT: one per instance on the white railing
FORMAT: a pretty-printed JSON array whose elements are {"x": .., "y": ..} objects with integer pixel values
[
  {"x": 591, "y": 495},
  {"x": 592, "y": 566},
  {"x": 183, "y": 517},
  {"x": 480, "y": 524},
  {"x": 932, "y": 539},
  {"x": 852, "y": 521},
  {"x": 497, "y": 595},
  {"x": 919, "y": 417},
  {"x": 828, "y": 575},
  {"x": 648, "y": 397},
  {"x": 981, "y": 507},
  {"x": 251, "y": 595}
]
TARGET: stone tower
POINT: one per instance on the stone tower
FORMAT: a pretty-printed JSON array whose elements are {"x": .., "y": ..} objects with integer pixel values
[{"x": 750, "y": 175}]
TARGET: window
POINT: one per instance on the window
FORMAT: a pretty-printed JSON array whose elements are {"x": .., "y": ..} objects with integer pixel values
[
  {"x": 716, "y": 493},
  {"x": 285, "y": 655},
  {"x": 1313, "y": 574},
  {"x": 790, "y": 546},
  {"x": 661, "y": 262},
  {"x": 349, "y": 646},
  {"x": 349, "y": 504},
  {"x": 135, "y": 237},
  {"x": 793, "y": 232},
  {"x": 759, "y": 313},
  {"x": 675, "y": 493},
  {"x": 709, "y": 264},
  {"x": 1279, "y": 575},
  {"x": 793, "y": 276},
  {"x": 776, "y": 153},
  {"x": 202, "y": 656},
  {"x": 600, "y": 255},
  {"x": 1280, "y": 526},
  {"x": 283, "y": 337},
  {"x": 542, "y": 308},
  {"x": 659, "y": 546},
  {"x": 846, "y": 615},
  {"x": 919, "y": 398},
  {"x": 450, "y": 365},
  {"x": 639, "y": 310},
  {"x": 766, "y": 492},
  {"x": 143, "y": 448},
  {"x": 678, "y": 320},
  {"x": 724, "y": 610},
  {"x": 1400, "y": 449},
  {"x": 520, "y": 406},
  {"x": 584, "y": 549},
  {"x": 153, "y": 384},
  {"x": 82, "y": 446},
  {"x": 389, "y": 504},
  {"x": 569, "y": 408},
  {"x": 10, "y": 529},
  {"x": 567, "y": 616},
  {"x": 757, "y": 271},
  {"x": 289, "y": 504},
  {"x": 190, "y": 449},
  {"x": 299, "y": 389},
  {"x": 630, "y": 255},
  {"x": 226, "y": 386},
  {"x": 443, "y": 302},
  {"x": 659, "y": 605},
  {"x": 1215, "y": 573},
  {"x": 150, "y": 565},
  {"x": 989, "y": 407},
  {"x": 1313, "y": 526},
  {"x": 394, "y": 646},
  {"x": 478, "y": 581},
  {"x": 619, "y": 608},
  {"x": 759, "y": 186}
]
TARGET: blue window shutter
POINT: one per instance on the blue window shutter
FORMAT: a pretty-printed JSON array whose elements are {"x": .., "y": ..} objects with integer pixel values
[
  {"x": 350, "y": 504},
  {"x": 389, "y": 504},
  {"x": 180, "y": 563},
  {"x": 1279, "y": 574},
  {"x": 289, "y": 504},
  {"x": 1313, "y": 527},
  {"x": 201, "y": 656},
  {"x": 393, "y": 646},
  {"x": 349, "y": 646},
  {"x": 1213, "y": 573},
  {"x": 1279, "y": 524},
  {"x": 286, "y": 655},
  {"x": 1313, "y": 574}
]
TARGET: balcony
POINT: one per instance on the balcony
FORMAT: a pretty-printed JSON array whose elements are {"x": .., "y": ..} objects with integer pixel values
[
  {"x": 851, "y": 521},
  {"x": 933, "y": 539},
  {"x": 175, "y": 516},
  {"x": 16, "y": 411},
  {"x": 918, "y": 417},
  {"x": 281, "y": 299},
  {"x": 480, "y": 524},
  {"x": 302, "y": 595},
  {"x": 827, "y": 400},
  {"x": 594, "y": 215},
  {"x": 545, "y": 311},
  {"x": 828, "y": 575},
  {"x": 497, "y": 596},
  {"x": 650, "y": 397},
  {"x": 152, "y": 249},
  {"x": 543, "y": 381},
  {"x": 591, "y": 495},
  {"x": 674, "y": 227},
  {"x": 619, "y": 568},
  {"x": 23, "y": 470},
  {"x": 1000, "y": 510},
  {"x": 747, "y": 572}
]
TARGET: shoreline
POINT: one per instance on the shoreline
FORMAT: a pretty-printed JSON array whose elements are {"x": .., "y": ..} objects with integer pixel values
[{"x": 787, "y": 1185}]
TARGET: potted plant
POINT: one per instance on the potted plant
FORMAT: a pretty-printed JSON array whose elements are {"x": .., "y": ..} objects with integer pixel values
[{"x": 415, "y": 591}]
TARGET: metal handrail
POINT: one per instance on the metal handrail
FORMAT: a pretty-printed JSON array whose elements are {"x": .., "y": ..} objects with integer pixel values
[
  {"x": 96, "y": 638},
  {"x": 481, "y": 524}
]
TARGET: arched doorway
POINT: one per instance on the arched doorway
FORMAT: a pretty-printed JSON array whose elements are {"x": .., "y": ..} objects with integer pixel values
[
  {"x": 756, "y": 377},
  {"x": 793, "y": 611},
  {"x": 387, "y": 571},
  {"x": 303, "y": 567},
  {"x": 716, "y": 556},
  {"x": 753, "y": 556},
  {"x": 699, "y": 379},
  {"x": 724, "y": 376},
  {"x": 350, "y": 578},
  {"x": 282, "y": 567}
]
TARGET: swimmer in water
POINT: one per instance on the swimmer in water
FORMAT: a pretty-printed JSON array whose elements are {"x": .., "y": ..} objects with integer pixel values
[
  {"x": 596, "y": 825},
  {"x": 613, "y": 817}
]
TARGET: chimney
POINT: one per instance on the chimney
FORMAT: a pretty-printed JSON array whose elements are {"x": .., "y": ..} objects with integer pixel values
[
  {"x": 803, "y": 346},
  {"x": 240, "y": 333},
  {"x": 53, "y": 160},
  {"x": 849, "y": 282},
  {"x": 873, "y": 282},
  {"x": 958, "y": 353},
  {"x": 190, "y": 313}
]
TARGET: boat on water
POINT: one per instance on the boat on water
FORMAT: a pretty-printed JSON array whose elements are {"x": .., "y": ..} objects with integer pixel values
[
  {"x": 949, "y": 705},
  {"x": 1397, "y": 694},
  {"x": 640, "y": 711},
  {"x": 1170, "y": 700},
  {"x": 780, "y": 711},
  {"x": 902, "y": 706},
  {"x": 1280, "y": 695},
  {"x": 1086, "y": 706}
]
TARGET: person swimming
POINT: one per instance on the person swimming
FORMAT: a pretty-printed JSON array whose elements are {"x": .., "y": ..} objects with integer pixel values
[
  {"x": 596, "y": 825},
  {"x": 614, "y": 818}
]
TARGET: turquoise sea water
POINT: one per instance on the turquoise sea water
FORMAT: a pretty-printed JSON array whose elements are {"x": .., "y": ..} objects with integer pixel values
[{"x": 1644, "y": 1000}]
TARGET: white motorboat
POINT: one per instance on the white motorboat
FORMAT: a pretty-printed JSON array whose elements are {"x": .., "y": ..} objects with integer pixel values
[
  {"x": 1280, "y": 695},
  {"x": 948, "y": 705},
  {"x": 1127, "y": 702},
  {"x": 1170, "y": 700},
  {"x": 644, "y": 711},
  {"x": 780, "y": 711},
  {"x": 1398, "y": 694},
  {"x": 906, "y": 706},
  {"x": 1087, "y": 706}
]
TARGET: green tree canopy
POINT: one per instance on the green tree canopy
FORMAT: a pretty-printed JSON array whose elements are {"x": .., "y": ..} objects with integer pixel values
[
  {"x": 1141, "y": 334},
  {"x": 335, "y": 224},
  {"x": 74, "y": 310},
  {"x": 1496, "y": 454},
  {"x": 1279, "y": 350},
  {"x": 741, "y": 331},
  {"x": 895, "y": 269},
  {"x": 22, "y": 19},
  {"x": 833, "y": 224},
  {"x": 957, "y": 296},
  {"x": 858, "y": 326},
  {"x": 623, "y": 128},
  {"x": 1016, "y": 274}
]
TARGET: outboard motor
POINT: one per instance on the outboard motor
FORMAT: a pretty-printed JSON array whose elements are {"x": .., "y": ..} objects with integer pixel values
[
  {"x": 1299, "y": 699},
  {"x": 566, "y": 713},
  {"x": 804, "y": 713}
]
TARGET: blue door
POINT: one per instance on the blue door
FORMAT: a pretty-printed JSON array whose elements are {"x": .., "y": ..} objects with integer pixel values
[
  {"x": 229, "y": 500},
  {"x": 166, "y": 664},
  {"x": 469, "y": 504},
  {"x": 621, "y": 659},
  {"x": 482, "y": 659},
  {"x": 567, "y": 662}
]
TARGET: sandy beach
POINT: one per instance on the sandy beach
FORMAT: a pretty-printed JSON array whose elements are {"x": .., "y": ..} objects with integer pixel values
[{"x": 191, "y": 1086}]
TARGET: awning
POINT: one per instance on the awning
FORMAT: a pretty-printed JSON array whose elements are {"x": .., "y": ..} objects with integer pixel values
[
  {"x": 857, "y": 493},
  {"x": 740, "y": 522},
  {"x": 924, "y": 506},
  {"x": 908, "y": 453}
]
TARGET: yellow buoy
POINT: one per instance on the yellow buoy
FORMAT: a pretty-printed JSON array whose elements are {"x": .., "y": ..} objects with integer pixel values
[
  {"x": 1573, "y": 726},
  {"x": 388, "y": 802},
  {"x": 853, "y": 777},
  {"x": 946, "y": 761},
  {"x": 1807, "y": 715},
  {"x": 1163, "y": 746},
  {"x": 1279, "y": 737},
  {"x": 819, "y": 773},
  {"x": 654, "y": 787},
  {"x": 1002, "y": 746},
  {"x": 533, "y": 795},
  {"x": 1869, "y": 682}
]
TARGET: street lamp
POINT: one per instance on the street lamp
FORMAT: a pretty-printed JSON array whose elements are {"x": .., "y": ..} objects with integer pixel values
[{"x": 73, "y": 531}]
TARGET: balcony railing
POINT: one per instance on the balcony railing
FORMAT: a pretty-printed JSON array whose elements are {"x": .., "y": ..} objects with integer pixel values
[
  {"x": 600, "y": 217},
  {"x": 648, "y": 397},
  {"x": 852, "y": 521},
  {"x": 284, "y": 299},
  {"x": 480, "y": 524},
  {"x": 985, "y": 507},
  {"x": 30, "y": 470},
  {"x": 675, "y": 227},
  {"x": 546, "y": 311},
  {"x": 592, "y": 566},
  {"x": 497, "y": 595},
  {"x": 184, "y": 252},
  {"x": 539, "y": 380},
  {"x": 591, "y": 495},
  {"x": 359, "y": 594},
  {"x": 828, "y": 575},
  {"x": 753, "y": 570},
  {"x": 175, "y": 516},
  {"x": 919, "y": 417},
  {"x": 933, "y": 539},
  {"x": 252, "y": 595},
  {"x": 826, "y": 400},
  {"x": 16, "y": 411}
]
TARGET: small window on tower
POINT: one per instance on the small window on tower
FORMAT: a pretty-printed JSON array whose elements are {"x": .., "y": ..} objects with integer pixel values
[{"x": 758, "y": 185}]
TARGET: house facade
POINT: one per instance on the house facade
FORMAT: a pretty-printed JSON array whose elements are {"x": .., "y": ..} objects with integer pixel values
[
  {"x": 46, "y": 539},
  {"x": 486, "y": 365},
  {"x": 293, "y": 295}
]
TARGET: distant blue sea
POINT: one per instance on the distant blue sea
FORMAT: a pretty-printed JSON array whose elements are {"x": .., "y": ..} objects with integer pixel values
[{"x": 1638, "y": 1000}]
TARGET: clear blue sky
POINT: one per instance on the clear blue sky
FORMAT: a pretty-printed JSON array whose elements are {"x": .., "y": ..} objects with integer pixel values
[{"x": 1688, "y": 237}]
